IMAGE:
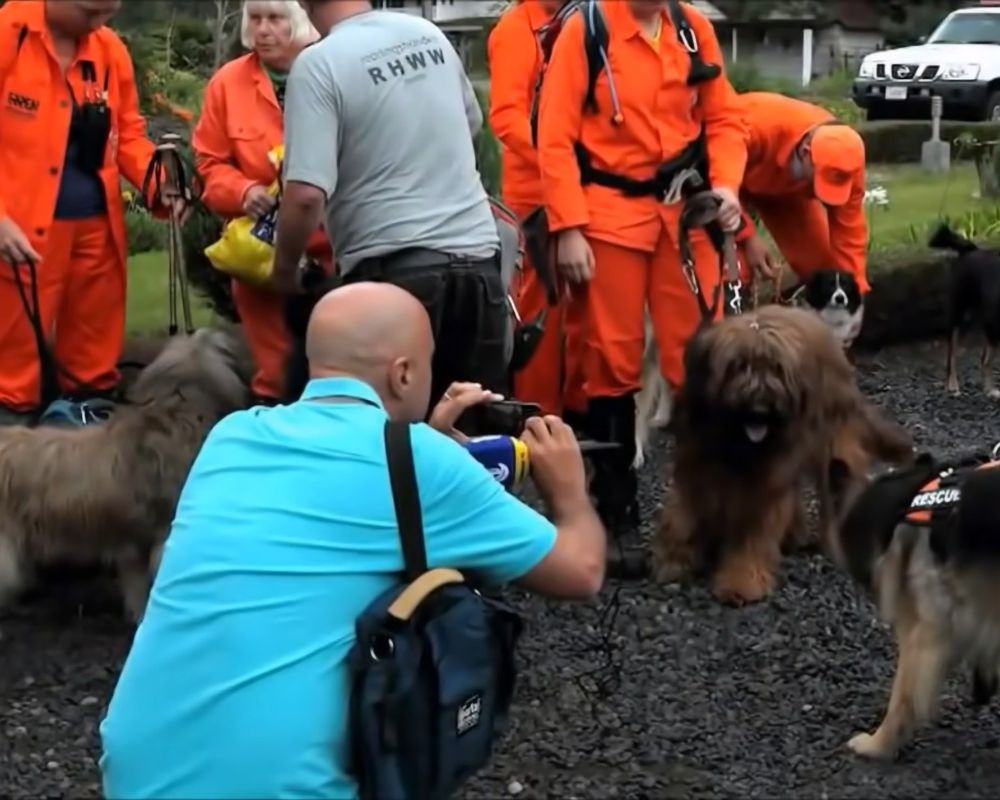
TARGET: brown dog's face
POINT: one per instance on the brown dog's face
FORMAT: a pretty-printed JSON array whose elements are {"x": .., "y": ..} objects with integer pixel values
[{"x": 744, "y": 386}]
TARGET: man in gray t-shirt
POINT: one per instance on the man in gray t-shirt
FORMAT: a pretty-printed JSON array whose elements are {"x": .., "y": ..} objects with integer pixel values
[{"x": 379, "y": 125}]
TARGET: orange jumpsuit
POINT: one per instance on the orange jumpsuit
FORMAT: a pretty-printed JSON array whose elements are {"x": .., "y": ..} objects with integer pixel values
[
  {"x": 552, "y": 377},
  {"x": 810, "y": 234},
  {"x": 241, "y": 121},
  {"x": 634, "y": 240},
  {"x": 83, "y": 272}
]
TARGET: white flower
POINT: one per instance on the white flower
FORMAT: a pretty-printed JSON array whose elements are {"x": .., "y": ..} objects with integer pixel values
[{"x": 876, "y": 196}]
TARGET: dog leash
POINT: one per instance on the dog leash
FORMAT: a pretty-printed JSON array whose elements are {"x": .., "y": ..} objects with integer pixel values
[
  {"x": 49, "y": 367},
  {"x": 168, "y": 163},
  {"x": 701, "y": 210}
]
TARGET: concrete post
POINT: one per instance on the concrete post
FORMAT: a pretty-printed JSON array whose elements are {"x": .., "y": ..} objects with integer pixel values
[
  {"x": 807, "y": 56},
  {"x": 935, "y": 155}
]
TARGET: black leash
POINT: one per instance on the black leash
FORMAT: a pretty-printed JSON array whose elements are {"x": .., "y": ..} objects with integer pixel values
[
  {"x": 701, "y": 210},
  {"x": 49, "y": 367}
]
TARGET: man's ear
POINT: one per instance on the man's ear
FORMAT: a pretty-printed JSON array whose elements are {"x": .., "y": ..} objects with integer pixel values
[{"x": 400, "y": 376}]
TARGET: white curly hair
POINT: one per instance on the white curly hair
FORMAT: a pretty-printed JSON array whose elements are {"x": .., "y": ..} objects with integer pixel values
[{"x": 302, "y": 30}]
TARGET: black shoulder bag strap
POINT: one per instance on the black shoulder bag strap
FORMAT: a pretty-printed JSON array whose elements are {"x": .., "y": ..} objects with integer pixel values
[{"x": 406, "y": 498}]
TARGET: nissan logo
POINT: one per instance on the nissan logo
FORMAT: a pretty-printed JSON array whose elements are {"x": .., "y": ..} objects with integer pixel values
[{"x": 902, "y": 71}]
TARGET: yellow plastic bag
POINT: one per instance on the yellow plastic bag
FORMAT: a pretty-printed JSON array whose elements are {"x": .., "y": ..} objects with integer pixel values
[{"x": 246, "y": 248}]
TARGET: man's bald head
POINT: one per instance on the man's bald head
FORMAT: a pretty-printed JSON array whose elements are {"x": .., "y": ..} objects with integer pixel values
[{"x": 379, "y": 333}]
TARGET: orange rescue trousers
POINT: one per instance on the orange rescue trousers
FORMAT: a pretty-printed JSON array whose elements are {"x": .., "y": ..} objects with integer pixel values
[
  {"x": 624, "y": 280},
  {"x": 262, "y": 314},
  {"x": 81, "y": 297},
  {"x": 552, "y": 378}
]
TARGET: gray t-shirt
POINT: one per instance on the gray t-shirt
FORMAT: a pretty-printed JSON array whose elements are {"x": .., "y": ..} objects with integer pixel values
[{"x": 380, "y": 115}]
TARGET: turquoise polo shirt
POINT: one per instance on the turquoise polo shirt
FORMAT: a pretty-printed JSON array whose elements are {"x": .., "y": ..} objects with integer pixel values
[{"x": 237, "y": 682}]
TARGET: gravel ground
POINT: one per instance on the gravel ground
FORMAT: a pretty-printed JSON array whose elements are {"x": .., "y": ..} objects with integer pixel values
[{"x": 699, "y": 701}]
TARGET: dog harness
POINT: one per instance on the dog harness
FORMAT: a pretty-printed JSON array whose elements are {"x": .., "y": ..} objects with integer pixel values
[{"x": 939, "y": 498}]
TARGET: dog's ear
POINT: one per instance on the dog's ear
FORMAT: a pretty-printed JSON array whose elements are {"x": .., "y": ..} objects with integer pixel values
[{"x": 698, "y": 364}]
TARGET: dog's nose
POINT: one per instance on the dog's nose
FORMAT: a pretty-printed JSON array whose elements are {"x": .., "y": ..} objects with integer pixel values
[{"x": 839, "y": 298}]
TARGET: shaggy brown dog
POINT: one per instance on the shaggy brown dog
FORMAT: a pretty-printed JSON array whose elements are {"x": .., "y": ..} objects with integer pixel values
[
  {"x": 107, "y": 492},
  {"x": 769, "y": 397},
  {"x": 926, "y": 549}
]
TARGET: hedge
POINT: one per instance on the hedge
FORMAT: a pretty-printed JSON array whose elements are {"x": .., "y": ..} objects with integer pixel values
[{"x": 900, "y": 141}]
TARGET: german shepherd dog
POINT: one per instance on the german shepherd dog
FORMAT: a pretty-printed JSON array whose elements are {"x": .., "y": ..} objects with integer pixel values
[{"x": 923, "y": 541}]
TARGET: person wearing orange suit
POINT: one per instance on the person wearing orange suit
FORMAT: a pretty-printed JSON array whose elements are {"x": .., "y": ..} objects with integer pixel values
[
  {"x": 657, "y": 105},
  {"x": 70, "y": 128},
  {"x": 805, "y": 178},
  {"x": 551, "y": 377},
  {"x": 241, "y": 121}
]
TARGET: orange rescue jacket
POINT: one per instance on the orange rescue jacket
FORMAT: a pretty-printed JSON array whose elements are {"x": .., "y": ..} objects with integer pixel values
[
  {"x": 660, "y": 116},
  {"x": 775, "y": 125},
  {"x": 35, "y": 120},
  {"x": 515, "y": 60},
  {"x": 240, "y": 123}
]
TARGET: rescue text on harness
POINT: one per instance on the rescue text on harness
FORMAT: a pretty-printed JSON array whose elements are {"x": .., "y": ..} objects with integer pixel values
[{"x": 939, "y": 498}]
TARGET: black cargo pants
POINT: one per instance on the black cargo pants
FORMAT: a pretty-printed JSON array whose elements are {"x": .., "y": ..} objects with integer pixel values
[{"x": 467, "y": 306}]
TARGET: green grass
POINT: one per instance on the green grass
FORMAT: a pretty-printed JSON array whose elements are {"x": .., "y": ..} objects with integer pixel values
[
  {"x": 148, "y": 310},
  {"x": 917, "y": 200}
]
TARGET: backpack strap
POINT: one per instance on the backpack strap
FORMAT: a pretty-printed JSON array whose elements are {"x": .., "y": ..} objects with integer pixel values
[
  {"x": 406, "y": 497},
  {"x": 700, "y": 71},
  {"x": 595, "y": 42}
]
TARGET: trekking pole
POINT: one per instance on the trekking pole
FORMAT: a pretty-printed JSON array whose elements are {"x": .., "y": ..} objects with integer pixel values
[{"x": 167, "y": 163}]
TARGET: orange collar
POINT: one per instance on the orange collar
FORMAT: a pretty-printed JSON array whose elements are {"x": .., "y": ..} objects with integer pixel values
[{"x": 537, "y": 15}]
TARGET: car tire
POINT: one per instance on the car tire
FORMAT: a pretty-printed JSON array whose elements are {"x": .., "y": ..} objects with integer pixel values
[{"x": 991, "y": 113}]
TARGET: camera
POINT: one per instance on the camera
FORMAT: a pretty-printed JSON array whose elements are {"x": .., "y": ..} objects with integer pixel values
[{"x": 499, "y": 418}]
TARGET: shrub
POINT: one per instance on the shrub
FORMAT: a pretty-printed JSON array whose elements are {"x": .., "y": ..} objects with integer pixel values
[
  {"x": 487, "y": 147},
  {"x": 842, "y": 108},
  {"x": 900, "y": 141},
  {"x": 746, "y": 77},
  {"x": 144, "y": 232}
]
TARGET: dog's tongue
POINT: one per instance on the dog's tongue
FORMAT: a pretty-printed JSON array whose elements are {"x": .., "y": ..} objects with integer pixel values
[{"x": 756, "y": 433}]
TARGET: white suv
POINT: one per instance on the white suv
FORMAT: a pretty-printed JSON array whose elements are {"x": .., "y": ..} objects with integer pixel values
[{"x": 959, "y": 61}]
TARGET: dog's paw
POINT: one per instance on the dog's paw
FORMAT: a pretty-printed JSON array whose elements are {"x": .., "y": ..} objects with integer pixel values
[
  {"x": 866, "y": 745},
  {"x": 993, "y": 394},
  {"x": 953, "y": 388},
  {"x": 742, "y": 585}
]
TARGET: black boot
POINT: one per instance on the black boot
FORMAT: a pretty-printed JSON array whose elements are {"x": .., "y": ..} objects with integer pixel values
[
  {"x": 10, "y": 417},
  {"x": 577, "y": 420},
  {"x": 615, "y": 485}
]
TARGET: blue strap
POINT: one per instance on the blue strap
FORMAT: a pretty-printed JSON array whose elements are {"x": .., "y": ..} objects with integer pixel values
[{"x": 66, "y": 413}]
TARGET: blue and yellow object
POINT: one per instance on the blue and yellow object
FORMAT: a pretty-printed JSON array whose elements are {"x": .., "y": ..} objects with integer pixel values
[{"x": 505, "y": 457}]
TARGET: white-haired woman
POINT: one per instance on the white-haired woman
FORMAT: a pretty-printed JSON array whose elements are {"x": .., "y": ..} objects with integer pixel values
[{"x": 240, "y": 123}]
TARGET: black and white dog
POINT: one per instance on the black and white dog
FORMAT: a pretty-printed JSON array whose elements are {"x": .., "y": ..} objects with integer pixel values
[{"x": 834, "y": 294}]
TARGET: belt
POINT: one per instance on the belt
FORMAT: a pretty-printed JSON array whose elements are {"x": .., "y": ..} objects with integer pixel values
[
  {"x": 417, "y": 258},
  {"x": 668, "y": 185}
]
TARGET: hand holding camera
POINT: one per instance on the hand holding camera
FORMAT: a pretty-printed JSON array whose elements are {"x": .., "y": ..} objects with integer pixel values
[{"x": 556, "y": 461}]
